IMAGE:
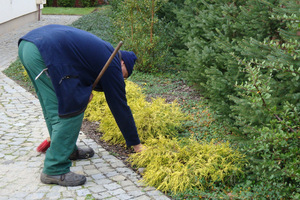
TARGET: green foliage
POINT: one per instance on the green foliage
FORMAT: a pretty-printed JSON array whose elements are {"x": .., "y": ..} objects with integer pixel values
[
  {"x": 275, "y": 159},
  {"x": 272, "y": 79},
  {"x": 267, "y": 106},
  {"x": 151, "y": 118},
  {"x": 142, "y": 32},
  {"x": 244, "y": 57},
  {"x": 177, "y": 166},
  {"x": 89, "y": 197},
  {"x": 88, "y": 3},
  {"x": 211, "y": 32},
  {"x": 99, "y": 24},
  {"x": 167, "y": 15},
  {"x": 66, "y": 3},
  {"x": 247, "y": 190}
]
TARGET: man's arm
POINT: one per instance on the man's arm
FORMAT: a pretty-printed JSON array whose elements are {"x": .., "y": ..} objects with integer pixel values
[{"x": 113, "y": 86}]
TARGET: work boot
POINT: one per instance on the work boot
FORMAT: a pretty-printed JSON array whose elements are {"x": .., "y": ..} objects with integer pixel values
[
  {"x": 82, "y": 153},
  {"x": 68, "y": 179}
]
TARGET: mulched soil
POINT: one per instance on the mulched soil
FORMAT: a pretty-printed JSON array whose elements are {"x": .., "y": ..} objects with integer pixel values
[{"x": 90, "y": 129}]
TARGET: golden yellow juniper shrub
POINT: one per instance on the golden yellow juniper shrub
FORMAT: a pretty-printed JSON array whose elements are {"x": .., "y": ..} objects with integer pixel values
[
  {"x": 177, "y": 166},
  {"x": 170, "y": 164},
  {"x": 152, "y": 118}
]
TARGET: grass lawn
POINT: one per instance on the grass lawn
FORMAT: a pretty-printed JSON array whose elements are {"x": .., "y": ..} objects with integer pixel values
[{"x": 67, "y": 10}]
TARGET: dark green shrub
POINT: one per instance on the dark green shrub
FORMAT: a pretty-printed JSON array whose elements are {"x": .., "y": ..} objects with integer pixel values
[
  {"x": 168, "y": 16},
  {"x": 271, "y": 89},
  {"x": 51, "y": 3},
  {"x": 244, "y": 58},
  {"x": 66, "y": 3},
  {"x": 142, "y": 32},
  {"x": 211, "y": 31},
  {"x": 267, "y": 106},
  {"x": 114, "y": 3},
  {"x": 275, "y": 160},
  {"x": 87, "y": 3},
  {"x": 98, "y": 23}
]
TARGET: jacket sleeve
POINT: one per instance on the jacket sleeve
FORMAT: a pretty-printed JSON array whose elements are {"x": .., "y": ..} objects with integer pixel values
[{"x": 113, "y": 85}]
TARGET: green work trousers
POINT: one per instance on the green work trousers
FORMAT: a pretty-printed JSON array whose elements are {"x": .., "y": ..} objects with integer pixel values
[{"x": 63, "y": 131}]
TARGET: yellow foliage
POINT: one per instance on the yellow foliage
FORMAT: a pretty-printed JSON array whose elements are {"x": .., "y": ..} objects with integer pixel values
[
  {"x": 96, "y": 108},
  {"x": 170, "y": 165},
  {"x": 25, "y": 75},
  {"x": 177, "y": 166},
  {"x": 151, "y": 118}
]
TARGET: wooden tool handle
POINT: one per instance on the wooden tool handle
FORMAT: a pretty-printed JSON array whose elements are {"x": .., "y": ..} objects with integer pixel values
[{"x": 107, "y": 64}]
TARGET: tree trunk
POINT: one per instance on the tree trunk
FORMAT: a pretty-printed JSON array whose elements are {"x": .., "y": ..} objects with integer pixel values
[
  {"x": 77, "y": 4},
  {"x": 54, "y": 3},
  {"x": 152, "y": 21}
]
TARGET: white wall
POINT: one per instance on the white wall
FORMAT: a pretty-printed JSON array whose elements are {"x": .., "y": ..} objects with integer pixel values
[
  {"x": 11, "y": 9},
  {"x": 15, "y": 13}
]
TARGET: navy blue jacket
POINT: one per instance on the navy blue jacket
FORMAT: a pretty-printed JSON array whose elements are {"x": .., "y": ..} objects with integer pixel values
[{"x": 74, "y": 59}]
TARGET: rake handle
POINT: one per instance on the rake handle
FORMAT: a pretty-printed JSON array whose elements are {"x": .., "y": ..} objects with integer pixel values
[{"x": 107, "y": 64}]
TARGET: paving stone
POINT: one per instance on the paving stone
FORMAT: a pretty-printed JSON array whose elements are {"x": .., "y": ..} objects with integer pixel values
[
  {"x": 97, "y": 189},
  {"x": 53, "y": 195},
  {"x": 102, "y": 195},
  {"x": 136, "y": 193},
  {"x": 118, "y": 178},
  {"x": 81, "y": 163},
  {"x": 131, "y": 188},
  {"x": 35, "y": 196},
  {"x": 89, "y": 167},
  {"x": 161, "y": 197},
  {"x": 126, "y": 183},
  {"x": 112, "y": 173},
  {"x": 98, "y": 176},
  {"x": 112, "y": 186},
  {"x": 124, "y": 196},
  {"x": 144, "y": 197},
  {"x": 114, "y": 198},
  {"x": 116, "y": 192},
  {"x": 91, "y": 171},
  {"x": 83, "y": 192},
  {"x": 103, "y": 181}
]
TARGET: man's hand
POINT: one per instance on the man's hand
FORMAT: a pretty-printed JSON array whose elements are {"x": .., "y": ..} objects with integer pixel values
[{"x": 138, "y": 148}]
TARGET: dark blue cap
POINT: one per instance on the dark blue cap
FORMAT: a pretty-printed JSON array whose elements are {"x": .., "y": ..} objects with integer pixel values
[{"x": 129, "y": 59}]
